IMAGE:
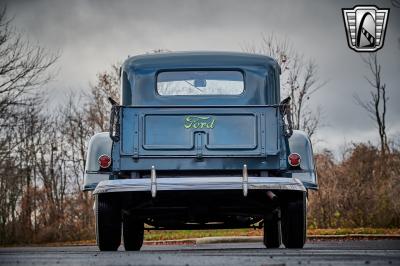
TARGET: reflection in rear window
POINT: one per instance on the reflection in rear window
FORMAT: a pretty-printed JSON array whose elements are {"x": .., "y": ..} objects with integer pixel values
[{"x": 200, "y": 83}]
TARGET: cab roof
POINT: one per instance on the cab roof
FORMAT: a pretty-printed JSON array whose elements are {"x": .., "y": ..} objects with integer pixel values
[
  {"x": 140, "y": 73},
  {"x": 172, "y": 60}
]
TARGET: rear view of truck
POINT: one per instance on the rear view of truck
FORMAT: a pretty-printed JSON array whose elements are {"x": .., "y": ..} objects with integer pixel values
[{"x": 200, "y": 141}]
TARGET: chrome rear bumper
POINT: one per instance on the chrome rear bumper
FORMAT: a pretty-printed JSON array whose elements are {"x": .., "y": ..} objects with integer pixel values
[{"x": 199, "y": 183}]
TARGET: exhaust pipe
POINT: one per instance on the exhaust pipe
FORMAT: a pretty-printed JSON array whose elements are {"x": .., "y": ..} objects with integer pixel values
[{"x": 271, "y": 195}]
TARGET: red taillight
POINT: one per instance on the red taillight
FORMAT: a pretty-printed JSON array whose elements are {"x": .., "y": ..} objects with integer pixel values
[
  {"x": 104, "y": 161},
  {"x": 294, "y": 159}
]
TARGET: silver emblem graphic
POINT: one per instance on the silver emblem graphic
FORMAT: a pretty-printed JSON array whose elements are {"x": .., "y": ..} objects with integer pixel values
[{"x": 365, "y": 27}]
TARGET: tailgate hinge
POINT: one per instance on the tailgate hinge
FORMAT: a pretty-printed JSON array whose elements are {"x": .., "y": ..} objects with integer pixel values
[
  {"x": 199, "y": 145},
  {"x": 136, "y": 139}
]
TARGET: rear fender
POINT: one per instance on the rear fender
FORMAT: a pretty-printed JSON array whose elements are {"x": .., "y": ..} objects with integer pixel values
[
  {"x": 301, "y": 144},
  {"x": 99, "y": 144}
]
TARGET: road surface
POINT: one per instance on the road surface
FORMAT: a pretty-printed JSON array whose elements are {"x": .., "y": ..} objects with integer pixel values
[{"x": 361, "y": 252}]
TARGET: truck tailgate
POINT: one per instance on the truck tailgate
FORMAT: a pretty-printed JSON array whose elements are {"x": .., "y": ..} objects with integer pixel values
[{"x": 199, "y": 131}]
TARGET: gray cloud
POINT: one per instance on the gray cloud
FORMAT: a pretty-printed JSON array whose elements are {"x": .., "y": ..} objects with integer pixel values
[{"x": 94, "y": 34}]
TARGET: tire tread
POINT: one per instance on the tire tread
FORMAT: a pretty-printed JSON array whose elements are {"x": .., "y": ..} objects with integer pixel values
[
  {"x": 294, "y": 222},
  {"x": 108, "y": 223},
  {"x": 133, "y": 233}
]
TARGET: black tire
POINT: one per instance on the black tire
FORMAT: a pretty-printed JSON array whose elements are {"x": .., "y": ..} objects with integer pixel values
[
  {"x": 272, "y": 232},
  {"x": 294, "y": 221},
  {"x": 108, "y": 222},
  {"x": 133, "y": 232}
]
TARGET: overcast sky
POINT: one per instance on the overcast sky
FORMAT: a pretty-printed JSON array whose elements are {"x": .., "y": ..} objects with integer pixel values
[{"x": 92, "y": 35}]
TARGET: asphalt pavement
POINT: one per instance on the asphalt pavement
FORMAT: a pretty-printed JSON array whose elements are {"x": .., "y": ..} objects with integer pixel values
[{"x": 349, "y": 252}]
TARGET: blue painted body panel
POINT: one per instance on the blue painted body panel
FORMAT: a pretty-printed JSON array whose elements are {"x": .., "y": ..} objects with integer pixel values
[
  {"x": 301, "y": 144},
  {"x": 240, "y": 134}
]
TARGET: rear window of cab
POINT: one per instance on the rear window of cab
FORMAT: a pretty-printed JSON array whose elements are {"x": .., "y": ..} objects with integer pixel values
[{"x": 203, "y": 82}]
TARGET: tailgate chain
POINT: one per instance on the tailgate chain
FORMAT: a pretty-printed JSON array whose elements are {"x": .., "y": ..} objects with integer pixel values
[{"x": 115, "y": 123}]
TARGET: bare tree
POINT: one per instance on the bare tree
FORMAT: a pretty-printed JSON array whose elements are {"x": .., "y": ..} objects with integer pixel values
[
  {"x": 52, "y": 167},
  {"x": 302, "y": 82},
  {"x": 299, "y": 79},
  {"x": 23, "y": 68},
  {"x": 75, "y": 129},
  {"x": 107, "y": 85},
  {"x": 376, "y": 107}
]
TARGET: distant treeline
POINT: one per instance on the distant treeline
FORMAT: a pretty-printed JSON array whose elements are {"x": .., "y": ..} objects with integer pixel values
[
  {"x": 362, "y": 190},
  {"x": 42, "y": 163}
]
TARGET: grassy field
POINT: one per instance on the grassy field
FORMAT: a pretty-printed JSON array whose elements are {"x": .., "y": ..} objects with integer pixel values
[{"x": 181, "y": 234}]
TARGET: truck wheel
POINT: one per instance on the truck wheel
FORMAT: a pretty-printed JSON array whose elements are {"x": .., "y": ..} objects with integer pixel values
[
  {"x": 108, "y": 222},
  {"x": 133, "y": 232},
  {"x": 294, "y": 215},
  {"x": 272, "y": 236}
]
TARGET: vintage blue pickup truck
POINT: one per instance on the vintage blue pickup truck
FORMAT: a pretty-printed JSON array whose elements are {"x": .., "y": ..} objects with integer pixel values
[{"x": 200, "y": 140}]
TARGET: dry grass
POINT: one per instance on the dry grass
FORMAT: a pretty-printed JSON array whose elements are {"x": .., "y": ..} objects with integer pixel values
[{"x": 185, "y": 234}]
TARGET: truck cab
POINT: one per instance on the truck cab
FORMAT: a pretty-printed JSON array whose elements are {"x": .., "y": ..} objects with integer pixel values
[{"x": 200, "y": 140}]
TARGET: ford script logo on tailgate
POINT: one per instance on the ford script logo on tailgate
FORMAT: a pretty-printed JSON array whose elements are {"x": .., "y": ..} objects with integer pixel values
[{"x": 194, "y": 121}]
